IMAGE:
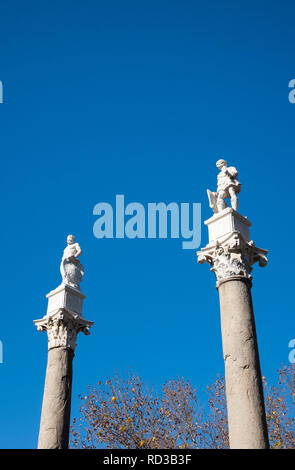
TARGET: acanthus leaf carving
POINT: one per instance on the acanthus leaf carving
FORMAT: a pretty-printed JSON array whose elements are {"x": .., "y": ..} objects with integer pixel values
[
  {"x": 233, "y": 257},
  {"x": 62, "y": 328}
]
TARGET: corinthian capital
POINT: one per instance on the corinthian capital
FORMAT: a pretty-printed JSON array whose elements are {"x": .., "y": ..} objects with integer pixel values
[
  {"x": 234, "y": 256},
  {"x": 62, "y": 328}
]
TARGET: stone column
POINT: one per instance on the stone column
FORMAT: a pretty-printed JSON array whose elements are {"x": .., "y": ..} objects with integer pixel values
[
  {"x": 62, "y": 322},
  {"x": 231, "y": 253}
]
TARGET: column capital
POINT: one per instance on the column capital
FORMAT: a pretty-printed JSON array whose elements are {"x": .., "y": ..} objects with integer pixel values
[
  {"x": 62, "y": 328},
  {"x": 232, "y": 256},
  {"x": 63, "y": 320}
]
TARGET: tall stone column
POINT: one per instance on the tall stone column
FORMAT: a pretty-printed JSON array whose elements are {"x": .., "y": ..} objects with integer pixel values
[
  {"x": 231, "y": 253},
  {"x": 63, "y": 321}
]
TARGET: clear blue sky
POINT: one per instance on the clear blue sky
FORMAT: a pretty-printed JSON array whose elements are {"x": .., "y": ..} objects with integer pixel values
[{"x": 138, "y": 98}]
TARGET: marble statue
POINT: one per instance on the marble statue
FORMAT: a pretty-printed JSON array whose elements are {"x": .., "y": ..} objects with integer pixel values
[
  {"x": 227, "y": 188},
  {"x": 70, "y": 267}
]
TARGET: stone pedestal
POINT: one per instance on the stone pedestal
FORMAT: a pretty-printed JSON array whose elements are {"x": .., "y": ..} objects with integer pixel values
[
  {"x": 63, "y": 321},
  {"x": 231, "y": 253}
]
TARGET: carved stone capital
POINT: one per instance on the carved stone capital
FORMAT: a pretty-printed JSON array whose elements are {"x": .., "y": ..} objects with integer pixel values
[
  {"x": 62, "y": 328},
  {"x": 234, "y": 256}
]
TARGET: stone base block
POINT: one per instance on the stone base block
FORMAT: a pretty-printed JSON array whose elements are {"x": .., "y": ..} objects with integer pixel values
[
  {"x": 222, "y": 224},
  {"x": 65, "y": 297}
]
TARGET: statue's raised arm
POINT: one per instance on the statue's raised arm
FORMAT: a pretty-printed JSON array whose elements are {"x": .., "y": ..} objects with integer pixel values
[{"x": 228, "y": 187}]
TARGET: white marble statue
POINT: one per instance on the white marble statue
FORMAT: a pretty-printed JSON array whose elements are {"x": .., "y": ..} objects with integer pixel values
[
  {"x": 227, "y": 188},
  {"x": 70, "y": 267}
]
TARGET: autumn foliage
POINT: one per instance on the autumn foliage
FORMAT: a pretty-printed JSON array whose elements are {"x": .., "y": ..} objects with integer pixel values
[{"x": 124, "y": 413}]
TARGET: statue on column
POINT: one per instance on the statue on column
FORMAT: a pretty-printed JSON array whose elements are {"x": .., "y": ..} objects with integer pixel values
[
  {"x": 228, "y": 187},
  {"x": 70, "y": 267}
]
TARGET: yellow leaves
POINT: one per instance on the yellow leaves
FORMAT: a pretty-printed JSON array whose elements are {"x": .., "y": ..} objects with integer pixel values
[
  {"x": 278, "y": 445},
  {"x": 128, "y": 415}
]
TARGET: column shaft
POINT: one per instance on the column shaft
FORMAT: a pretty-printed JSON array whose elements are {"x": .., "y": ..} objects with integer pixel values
[
  {"x": 244, "y": 392},
  {"x": 56, "y": 407}
]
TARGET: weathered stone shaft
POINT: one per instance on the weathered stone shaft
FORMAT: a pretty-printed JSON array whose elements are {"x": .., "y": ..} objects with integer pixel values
[
  {"x": 56, "y": 407},
  {"x": 244, "y": 391}
]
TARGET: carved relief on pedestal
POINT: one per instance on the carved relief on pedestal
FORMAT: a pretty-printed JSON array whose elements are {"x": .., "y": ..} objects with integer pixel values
[{"x": 233, "y": 257}]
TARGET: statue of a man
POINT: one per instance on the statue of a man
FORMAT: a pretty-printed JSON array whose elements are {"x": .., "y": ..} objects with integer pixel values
[
  {"x": 227, "y": 188},
  {"x": 71, "y": 269}
]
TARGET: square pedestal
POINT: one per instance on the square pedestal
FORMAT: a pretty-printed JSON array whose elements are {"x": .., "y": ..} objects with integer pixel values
[
  {"x": 65, "y": 297},
  {"x": 226, "y": 222}
]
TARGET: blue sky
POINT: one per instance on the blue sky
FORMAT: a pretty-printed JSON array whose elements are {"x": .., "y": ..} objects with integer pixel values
[{"x": 140, "y": 99}]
